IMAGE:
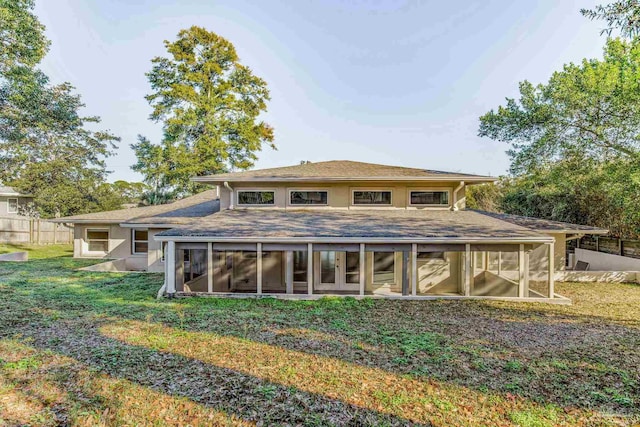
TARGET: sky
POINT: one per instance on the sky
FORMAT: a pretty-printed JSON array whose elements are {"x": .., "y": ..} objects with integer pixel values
[{"x": 382, "y": 81}]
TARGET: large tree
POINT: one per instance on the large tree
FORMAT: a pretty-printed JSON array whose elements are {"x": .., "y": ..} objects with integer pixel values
[
  {"x": 209, "y": 104},
  {"x": 46, "y": 146},
  {"x": 575, "y": 143}
]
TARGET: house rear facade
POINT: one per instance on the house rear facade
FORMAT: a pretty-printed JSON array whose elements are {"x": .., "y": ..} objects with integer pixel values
[{"x": 340, "y": 228}]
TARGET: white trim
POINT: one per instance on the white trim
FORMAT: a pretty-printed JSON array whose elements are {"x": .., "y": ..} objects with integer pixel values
[
  {"x": 291, "y": 190},
  {"x": 552, "y": 268},
  {"x": 310, "y": 268},
  {"x": 448, "y": 178},
  {"x": 521, "y": 271},
  {"x": 373, "y": 268},
  {"x": 414, "y": 269},
  {"x": 255, "y": 190},
  {"x": 426, "y": 190},
  {"x": 468, "y": 273},
  {"x": 362, "y": 268},
  {"x": 259, "y": 268},
  {"x": 210, "y": 266},
  {"x": 9, "y": 204},
  {"x": 86, "y": 240},
  {"x": 370, "y": 240},
  {"x": 171, "y": 268},
  {"x": 134, "y": 241},
  {"x": 371, "y": 189}
]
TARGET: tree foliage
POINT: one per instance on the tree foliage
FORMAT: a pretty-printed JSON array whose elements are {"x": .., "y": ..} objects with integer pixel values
[
  {"x": 623, "y": 15},
  {"x": 22, "y": 39},
  {"x": 574, "y": 143},
  {"x": 209, "y": 104},
  {"x": 46, "y": 146}
]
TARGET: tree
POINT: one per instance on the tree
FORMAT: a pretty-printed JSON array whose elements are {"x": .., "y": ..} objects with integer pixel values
[
  {"x": 575, "y": 143},
  {"x": 209, "y": 104},
  {"x": 46, "y": 148},
  {"x": 591, "y": 110},
  {"x": 623, "y": 15},
  {"x": 131, "y": 192},
  {"x": 22, "y": 39}
]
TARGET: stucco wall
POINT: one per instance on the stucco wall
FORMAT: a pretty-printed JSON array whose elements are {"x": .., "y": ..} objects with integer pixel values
[
  {"x": 599, "y": 261},
  {"x": 340, "y": 194}
]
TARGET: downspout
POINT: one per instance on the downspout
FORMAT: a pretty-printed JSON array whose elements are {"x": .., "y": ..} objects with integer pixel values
[
  {"x": 161, "y": 291},
  {"x": 231, "y": 198},
  {"x": 455, "y": 196}
]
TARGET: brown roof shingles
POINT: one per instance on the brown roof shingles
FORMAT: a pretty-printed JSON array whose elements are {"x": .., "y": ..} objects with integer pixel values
[
  {"x": 340, "y": 169},
  {"x": 179, "y": 212},
  {"x": 385, "y": 224},
  {"x": 544, "y": 225}
]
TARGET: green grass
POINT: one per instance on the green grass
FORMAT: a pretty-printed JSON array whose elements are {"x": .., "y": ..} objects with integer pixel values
[{"x": 89, "y": 348}]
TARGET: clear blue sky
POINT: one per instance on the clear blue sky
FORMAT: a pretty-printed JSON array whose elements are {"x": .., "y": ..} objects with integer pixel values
[{"x": 394, "y": 82}]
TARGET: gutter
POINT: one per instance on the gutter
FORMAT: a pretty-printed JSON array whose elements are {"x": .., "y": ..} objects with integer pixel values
[
  {"x": 374, "y": 240},
  {"x": 481, "y": 179},
  {"x": 455, "y": 195},
  {"x": 231, "y": 197}
]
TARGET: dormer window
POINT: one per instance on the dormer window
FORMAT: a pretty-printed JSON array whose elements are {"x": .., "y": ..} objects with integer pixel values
[
  {"x": 375, "y": 197},
  {"x": 305, "y": 197},
  {"x": 256, "y": 197}
]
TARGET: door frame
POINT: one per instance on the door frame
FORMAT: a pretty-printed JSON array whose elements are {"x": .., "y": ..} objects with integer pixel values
[{"x": 340, "y": 283}]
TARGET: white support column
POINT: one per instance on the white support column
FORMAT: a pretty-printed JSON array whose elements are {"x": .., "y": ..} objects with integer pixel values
[
  {"x": 499, "y": 263},
  {"x": 170, "y": 258},
  {"x": 522, "y": 272},
  {"x": 414, "y": 269},
  {"x": 289, "y": 272},
  {"x": 362, "y": 273},
  {"x": 209, "y": 267},
  {"x": 310, "y": 268},
  {"x": 552, "y": 270},
  {"x": 468, "y": 274},
  {"x": 259, "y": 268}
]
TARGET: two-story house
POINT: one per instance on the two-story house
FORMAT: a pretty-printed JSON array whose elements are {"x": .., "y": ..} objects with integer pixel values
[{"x": 338, "y": 227}]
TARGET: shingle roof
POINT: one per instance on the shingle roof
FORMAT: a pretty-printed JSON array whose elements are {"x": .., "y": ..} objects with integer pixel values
[
  {"x": 178, "y": 212},
  {"x": 545, "y": 225},
  {"x": 345, "y": 170},
  {"x": 10, "y": 191},
  {"x": 384, "y": 224}
]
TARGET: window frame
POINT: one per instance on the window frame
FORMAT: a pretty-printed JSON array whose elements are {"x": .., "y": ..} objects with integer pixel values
[
  {"x": 87, "y": 240},
  {"x": 255, "y": 190},
  {"x": 134, "y": 241},
  {"x": 9, "y": 204},
  {"x": 433, "y": 190},
  {"x": 380, "y": 190},
  {"x": 310, "y": 190},
  {"x": 373, "y": 269}
]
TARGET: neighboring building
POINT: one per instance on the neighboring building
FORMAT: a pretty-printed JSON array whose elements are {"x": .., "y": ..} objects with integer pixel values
[
  {"x": 11, "y": 201},
  {"x": 338, "y": 227}
]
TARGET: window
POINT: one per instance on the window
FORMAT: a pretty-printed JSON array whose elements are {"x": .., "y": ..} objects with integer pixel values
[
  {"x": 140, "y": 241},
  {"x": 434, "y": 198},
  {"x": 431, "y": 255},
  {"x": 97, "y": 240},
  {"x": 383, "y": 267},
  {"x": 12, "y": 205},
  {"x": 256, "y": 197},
  {"x": 300, "y": 266},
  {"x": 372, "y": 197},
  {"x": 308, "y": 197}
]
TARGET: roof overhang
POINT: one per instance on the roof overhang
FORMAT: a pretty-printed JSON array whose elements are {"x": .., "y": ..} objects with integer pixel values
[
  {"x": 373, "y": 240},
  {"x": 452, "y": 178},
  {"x": 147, "y": 225},
  {"x": 599, "y": 231},
  {"x": 85, "y": 221}
]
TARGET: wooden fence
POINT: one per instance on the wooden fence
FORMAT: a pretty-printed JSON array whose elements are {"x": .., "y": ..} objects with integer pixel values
[
  {"x": 37, "y": 231},
  {"x": 611, "y": 245}
]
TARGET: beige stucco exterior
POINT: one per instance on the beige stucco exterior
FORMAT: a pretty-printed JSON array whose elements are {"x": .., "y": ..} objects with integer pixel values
[
  {"x": 4, "y": 205},
  {"x": 340, "y": 194},
  {"x": 120, "y": 247}
]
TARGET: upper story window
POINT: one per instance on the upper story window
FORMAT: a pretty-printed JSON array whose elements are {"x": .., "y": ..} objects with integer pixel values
[
  {"x": 429, "y": 198},
  {"x": 140, "y": 241},
  {"x": 297, "y": 197},
  {"x": 97, "y": 240},
  {"x": 372, "y": 197},
  {"x": 12, "y": 205},
  {"x": 256, "y": 197}
]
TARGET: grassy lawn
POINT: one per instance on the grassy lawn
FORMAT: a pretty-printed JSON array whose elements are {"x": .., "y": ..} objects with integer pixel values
[{"x": 86, "y": 348}]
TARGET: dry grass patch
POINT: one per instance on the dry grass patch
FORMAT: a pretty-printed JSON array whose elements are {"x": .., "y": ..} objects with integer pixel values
[
  {"x": 44, "y": 389},
  {"x": 371, "y": 388}
]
